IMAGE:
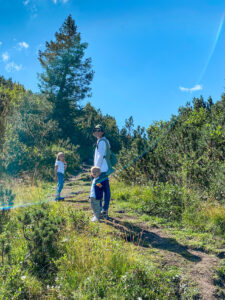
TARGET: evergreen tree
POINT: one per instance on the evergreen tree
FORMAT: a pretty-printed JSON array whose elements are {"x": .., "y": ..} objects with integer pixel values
[{"x": 66, "y": 77}]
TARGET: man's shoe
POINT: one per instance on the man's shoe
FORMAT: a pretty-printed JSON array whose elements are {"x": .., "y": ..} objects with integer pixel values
[{"x": 104, "y": 214}]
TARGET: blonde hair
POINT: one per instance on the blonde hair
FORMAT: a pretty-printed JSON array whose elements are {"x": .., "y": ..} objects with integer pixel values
[
  {"x": 96, "y": 169},
  {"x": 60, "y": 153}
]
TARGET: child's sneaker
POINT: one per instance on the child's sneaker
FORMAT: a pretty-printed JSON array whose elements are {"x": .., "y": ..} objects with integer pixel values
[{"x": 94, "y": 219}]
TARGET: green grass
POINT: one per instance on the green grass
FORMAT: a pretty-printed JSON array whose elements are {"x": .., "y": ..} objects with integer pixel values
[
  {"x": 27, "y": 193},
  {"x": 93, "y": 262},
  {"x": 196, "y": 224},
  {"x": 219, "y": 280},
  {"x": 92, "y": 265}
]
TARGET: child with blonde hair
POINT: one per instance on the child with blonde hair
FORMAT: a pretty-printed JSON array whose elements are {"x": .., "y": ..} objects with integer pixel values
[
  {"x": 96, "y": 194},
  {"x": 60, "y": 167}
]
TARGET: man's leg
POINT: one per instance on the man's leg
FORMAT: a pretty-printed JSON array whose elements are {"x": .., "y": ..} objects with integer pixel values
[{"x": 107, "y": 195}]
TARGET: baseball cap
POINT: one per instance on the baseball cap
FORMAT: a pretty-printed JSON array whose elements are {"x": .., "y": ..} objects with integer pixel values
[{"x": 98, "y": 127}]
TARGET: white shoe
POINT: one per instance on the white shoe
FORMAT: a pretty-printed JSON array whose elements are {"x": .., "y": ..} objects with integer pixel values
[{"x": 94, "y": 219}]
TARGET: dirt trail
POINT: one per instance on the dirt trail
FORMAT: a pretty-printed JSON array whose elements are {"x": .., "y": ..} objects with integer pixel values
[{"x": 197, "y": 265}]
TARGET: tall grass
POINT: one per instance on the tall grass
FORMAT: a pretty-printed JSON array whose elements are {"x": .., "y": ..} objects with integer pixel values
[
  {"x": 172, "y": 203},
  {"x": 102, "y": 268},
  {"x": 29, "y": 193}
]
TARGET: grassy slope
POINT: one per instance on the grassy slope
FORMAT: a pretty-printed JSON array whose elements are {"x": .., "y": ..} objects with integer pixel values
[{"x": 129, "y": 256}]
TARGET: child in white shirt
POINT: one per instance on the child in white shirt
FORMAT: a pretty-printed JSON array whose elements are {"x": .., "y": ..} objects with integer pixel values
[{"x": 60, "y": 167}]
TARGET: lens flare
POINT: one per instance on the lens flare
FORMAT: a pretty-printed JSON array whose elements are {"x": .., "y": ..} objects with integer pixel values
[
  {"x": 25, "y": 204},
  {"x": 213, "y": 47}
]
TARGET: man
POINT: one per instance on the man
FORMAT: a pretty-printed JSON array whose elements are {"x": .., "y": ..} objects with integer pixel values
[{"x": 100, "y": 160}]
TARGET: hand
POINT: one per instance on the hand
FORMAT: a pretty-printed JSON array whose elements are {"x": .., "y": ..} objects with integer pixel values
[{"x": 99, "y": 185}]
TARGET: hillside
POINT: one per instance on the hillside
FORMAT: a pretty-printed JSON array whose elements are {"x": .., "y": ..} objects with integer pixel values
[{"x": 128, "y": 256}]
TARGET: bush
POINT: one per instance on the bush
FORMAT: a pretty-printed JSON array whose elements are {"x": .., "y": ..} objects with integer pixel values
[
  {"x": 215, "y": 213},
  {"x": 41, "y": 230},
  {"x": 79, "y": 220},
  {"x": 162, "y": 200}
]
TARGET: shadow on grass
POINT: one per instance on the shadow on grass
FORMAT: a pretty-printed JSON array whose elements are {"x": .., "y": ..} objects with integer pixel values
[
  {"x": 144, "y": 238},
  {"x": 74, "y": 201}
]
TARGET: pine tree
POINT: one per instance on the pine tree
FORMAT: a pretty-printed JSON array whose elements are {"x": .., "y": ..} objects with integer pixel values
[{"x": 67, "y": 76}]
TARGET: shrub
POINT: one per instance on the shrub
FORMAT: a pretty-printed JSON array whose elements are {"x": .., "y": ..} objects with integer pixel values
[
  {"x": 41, "y": 230},
  {"x": 79, "y": 220},
  {"x": 162, "y": 200},
  {"x": 215, "y": 213}
]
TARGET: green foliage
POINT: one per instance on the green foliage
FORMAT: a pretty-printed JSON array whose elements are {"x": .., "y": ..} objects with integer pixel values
[
  {"x": 9, "y": 94},
  {"x": 31, "y": 140},
  {"x": 173, "y": 205},
  {"x": 219, "y": 280},
  {"x": 87, "y": 120},
  {"x": 133, "y": 148},
  {"x": 6, "y": 198},
  {"x": 6, "y": 201},
  {"x": 56, "y": 253},
  {"x": 41, "y": 230},
  {"x": 5, "y": 227},
  {"x": 104, "y": 269},
  {"x": 66, "y": 77},
  {"x": 162, "y": 200},
  {"x": 79, "y": 220},
  {"x": 187, "y": 151},
  {"x": 13, "y": 285}
]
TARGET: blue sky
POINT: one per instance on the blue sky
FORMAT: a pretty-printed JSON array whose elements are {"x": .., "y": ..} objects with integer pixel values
[{"x": 149, "y": 57}]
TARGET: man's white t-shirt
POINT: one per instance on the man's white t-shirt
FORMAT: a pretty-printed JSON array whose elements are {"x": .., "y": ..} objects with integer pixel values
[
  {"x": 99, "y": 160},
  {"x": 60, "y": 165}
]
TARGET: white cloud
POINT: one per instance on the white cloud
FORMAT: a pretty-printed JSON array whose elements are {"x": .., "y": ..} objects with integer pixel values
[
  {"x": 197, "y": 87},
  {"x": 11, "y": 67},
  {"x": 5, "y": 56},
  {"x": 31, "y": 6},
  {"x": 23, "y": 45}
]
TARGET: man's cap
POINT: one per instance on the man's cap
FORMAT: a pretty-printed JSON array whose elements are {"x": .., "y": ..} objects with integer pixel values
[{"x": 99, "y": 127}]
